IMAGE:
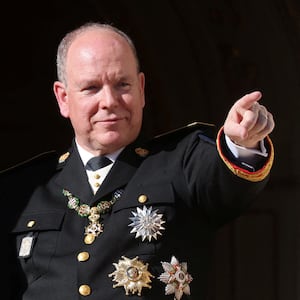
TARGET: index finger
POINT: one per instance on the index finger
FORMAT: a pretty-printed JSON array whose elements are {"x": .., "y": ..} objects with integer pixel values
[{"x": 246, "y": 102}]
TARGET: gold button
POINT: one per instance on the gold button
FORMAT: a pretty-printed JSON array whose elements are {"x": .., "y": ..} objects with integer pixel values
[
  {"x": 97, "y": 184},
  {"x": 96, "y": 176},
  {"x": 83, "y": 256},
  {"x": 142, "y": 198},
  {"x": 30, "y": 224},
  {"x": 84, "y": 290},
  {"x": 89, "y": 239}
]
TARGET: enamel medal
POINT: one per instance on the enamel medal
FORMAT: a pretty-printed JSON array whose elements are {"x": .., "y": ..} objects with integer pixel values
[{"x": 176, "y": 278}]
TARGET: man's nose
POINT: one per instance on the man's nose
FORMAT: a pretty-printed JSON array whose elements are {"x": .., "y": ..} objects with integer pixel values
[{"x": 108, "y": 97}]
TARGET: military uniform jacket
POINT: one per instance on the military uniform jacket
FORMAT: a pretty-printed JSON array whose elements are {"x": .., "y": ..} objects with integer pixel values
[{"x": 171, "y": 195}]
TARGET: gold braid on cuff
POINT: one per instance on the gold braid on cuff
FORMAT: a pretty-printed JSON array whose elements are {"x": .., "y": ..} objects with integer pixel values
[{"x": 255, "y": 176}]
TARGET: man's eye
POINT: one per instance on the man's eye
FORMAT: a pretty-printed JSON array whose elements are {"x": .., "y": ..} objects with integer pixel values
[
  {"x": 123, "y": 84},
  {"x": 91, "y": 87}
]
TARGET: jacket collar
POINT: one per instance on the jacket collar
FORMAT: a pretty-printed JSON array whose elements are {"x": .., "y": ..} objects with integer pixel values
[
  {"x": 122, "y": 171},
  {"x": 73, "y": 176}
]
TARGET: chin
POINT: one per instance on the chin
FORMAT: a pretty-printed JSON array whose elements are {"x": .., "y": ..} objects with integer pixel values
[
  {"x": 111, "y": 139},
  {"x": 114, "y": 139}
]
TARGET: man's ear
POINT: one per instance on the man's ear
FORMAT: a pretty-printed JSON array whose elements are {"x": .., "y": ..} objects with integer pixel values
[
  {"x": 142, "y": 87},
  {"x": 61, "y": 98}
]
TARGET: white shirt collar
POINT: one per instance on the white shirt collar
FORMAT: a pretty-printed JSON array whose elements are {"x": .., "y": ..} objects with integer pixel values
[{"x": 85, "y": 155}]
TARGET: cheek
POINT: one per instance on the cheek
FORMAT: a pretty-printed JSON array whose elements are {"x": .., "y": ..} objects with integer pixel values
[
  {"x": 134, "y": 103},
  {"x": 137, "y": 115},
  {"x": 80, "y": 115},
  {"x": 140, "y": 106}
]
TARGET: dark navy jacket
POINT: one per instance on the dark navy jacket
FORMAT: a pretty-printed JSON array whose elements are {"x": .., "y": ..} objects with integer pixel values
[{"x": 182, "y": 178}]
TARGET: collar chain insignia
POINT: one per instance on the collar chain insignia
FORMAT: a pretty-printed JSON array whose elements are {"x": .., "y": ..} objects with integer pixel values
[
  {"x": 92, "y": 213},
  {"x": 132, "y": 274},
  {"x": 176, "y": 278},
  {"x": 146, "y": 223}
]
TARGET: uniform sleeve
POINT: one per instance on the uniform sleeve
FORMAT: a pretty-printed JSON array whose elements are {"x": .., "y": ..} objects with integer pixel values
[{"x": 257, "y": 172}]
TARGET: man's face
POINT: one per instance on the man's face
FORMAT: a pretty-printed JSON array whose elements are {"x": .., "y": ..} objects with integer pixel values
[{"x": 104, "y": 96}]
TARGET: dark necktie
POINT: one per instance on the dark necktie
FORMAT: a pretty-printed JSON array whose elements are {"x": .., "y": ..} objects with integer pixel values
[{"x": 97, "y": 162}]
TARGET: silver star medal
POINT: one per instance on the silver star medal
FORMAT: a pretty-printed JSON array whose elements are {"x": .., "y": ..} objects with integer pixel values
[
  {"x": 146, "y": 223},
  {"x": 176, "y": 278}
]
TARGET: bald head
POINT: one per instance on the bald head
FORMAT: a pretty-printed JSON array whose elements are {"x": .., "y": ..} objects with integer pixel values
[{"x": 82, "y": 32}]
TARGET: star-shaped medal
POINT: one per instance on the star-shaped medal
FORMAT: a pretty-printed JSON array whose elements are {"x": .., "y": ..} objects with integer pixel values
[
  {"x": 146, "y": 223},
  {"x": 132, "y": 274},
  {"x": 176, "y": 278}
]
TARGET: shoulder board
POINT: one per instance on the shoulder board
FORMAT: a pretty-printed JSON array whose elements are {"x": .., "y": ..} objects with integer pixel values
[
  {"x": 206, "y": 132},
  {"x": 205, "y": 129},
  {"x": 38, "y": 160}
]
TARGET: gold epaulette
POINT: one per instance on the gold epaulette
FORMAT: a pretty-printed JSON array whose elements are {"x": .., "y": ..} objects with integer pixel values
[{"x": 255, "y": 176}]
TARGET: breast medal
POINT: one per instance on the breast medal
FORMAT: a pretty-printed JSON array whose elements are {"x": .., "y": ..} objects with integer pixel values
[
  {"x": 132, "y": 274},
  {"x": 146, "y": 223},
  {"x": 176, "y": 278}
]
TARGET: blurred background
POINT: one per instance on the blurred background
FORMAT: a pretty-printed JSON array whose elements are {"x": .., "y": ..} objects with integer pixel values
[{"x": 198, "y": 57}]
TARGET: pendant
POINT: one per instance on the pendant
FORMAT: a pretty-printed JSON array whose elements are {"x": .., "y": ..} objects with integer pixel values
[{"x": 95, "y": 227}]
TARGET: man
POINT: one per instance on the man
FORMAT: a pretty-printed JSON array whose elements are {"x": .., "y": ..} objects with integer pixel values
[{"x": 140, "y": 225}]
